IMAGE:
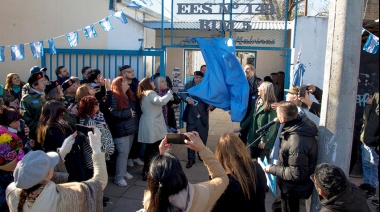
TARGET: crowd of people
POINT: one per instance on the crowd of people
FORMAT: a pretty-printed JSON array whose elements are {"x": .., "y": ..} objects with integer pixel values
[{"x": 70, "y": 127}]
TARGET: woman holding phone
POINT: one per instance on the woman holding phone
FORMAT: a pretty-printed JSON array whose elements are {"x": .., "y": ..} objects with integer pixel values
[
  {"x": 52, "y": 130},
  {"x": 152, "y": 127}
]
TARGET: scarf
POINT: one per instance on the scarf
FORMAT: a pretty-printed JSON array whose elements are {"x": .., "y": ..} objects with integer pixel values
[
  {"x": 16, "y": 88},
  {"x": 165, "y": 107}
]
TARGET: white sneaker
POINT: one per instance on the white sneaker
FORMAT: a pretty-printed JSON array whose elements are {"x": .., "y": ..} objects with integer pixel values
[
  {"x": 138, "y": 162},
  {"x": 121, "y": 182},
  {"x": 130, "y": 163},
  {"x": 128, "y": 176}
]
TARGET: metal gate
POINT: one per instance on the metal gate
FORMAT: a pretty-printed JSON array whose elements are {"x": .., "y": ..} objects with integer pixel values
[{"x": 108, "y": 61}]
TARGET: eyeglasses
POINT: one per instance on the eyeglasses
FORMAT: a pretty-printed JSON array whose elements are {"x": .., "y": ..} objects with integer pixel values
[{"x": 312, "y": 178}]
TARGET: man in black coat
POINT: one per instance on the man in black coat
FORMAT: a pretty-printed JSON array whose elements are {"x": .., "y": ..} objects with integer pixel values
[
  {"x": 336, "y": 193},
  {"x": 196, "y": 115},
  {"x": 297, "y": 156},
  {"x": 250, "y": 73},
  {"x": 314, "y": 108}
]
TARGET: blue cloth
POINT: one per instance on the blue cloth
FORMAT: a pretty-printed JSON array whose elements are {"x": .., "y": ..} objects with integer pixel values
[
  {"x": 37, "y": 49},
  {"x": 106, "y": 25},
  {"x": 134, "y": 4},
  {"x": 52, "y": 48},
  {"x": 72, "y": 38},
  {"x": 17, "y": 52},
  {"x": 121, "y": 16},
  {"x": 90, "y": 32},
  {"x": 271, "y": 179},
  {"x": 2, "y": 57},
  {"x": 299, "y": 71},
  {"x": 370, "y": 166},
  {"x": 224, "y": 84},
  {"x": 372, "y": 44}
]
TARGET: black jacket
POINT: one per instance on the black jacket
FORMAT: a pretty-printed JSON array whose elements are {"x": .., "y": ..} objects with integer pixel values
[
  {"x": 316, "y": 107},
  {"x": 350, "y": 200},
  {"x": 122, "y": 124},
  {"x": 253, "y": 93},
  {"x": 233, "y": 198},
  {"x": 297, "y": 157}
]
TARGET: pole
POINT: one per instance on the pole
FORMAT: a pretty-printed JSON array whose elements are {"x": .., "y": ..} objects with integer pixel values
[{"x": 340, "y": 85}]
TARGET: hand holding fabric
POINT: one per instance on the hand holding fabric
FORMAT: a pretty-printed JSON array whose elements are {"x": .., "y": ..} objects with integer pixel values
[
  {"x": 67, "y": 145},
  {"x": 95, "y": 140}
]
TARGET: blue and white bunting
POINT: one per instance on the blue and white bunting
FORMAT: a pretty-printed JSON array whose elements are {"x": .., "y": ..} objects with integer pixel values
[
  {"x": 37, "y": 49},
  {"x": 147, "y": 2},
  {"x": 52, "y": 48},
  {"x": 17, "y": 52},
  {"x": 72, "y": 38},
  {"x": 134, "y": 4},
  {"x": 2, "y": 57},
  {"x": 121, "y": 16},
  {"x": 89, "y": 32},
  {"x": 372, "y": 44},
  {"x": 106, "y": 25}
]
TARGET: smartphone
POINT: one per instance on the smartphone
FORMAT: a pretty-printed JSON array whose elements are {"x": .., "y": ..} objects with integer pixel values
[
  {"x": 176, "y": 138},
  {"x": 83, "y": 129},
  {"x": 303, "y": 90}
]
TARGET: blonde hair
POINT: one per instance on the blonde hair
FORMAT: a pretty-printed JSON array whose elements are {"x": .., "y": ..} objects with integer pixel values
[
  {"x": 82, "y": 92},
  {"x": 236, "y": 160},
  {"x": 269, "y": 97}
]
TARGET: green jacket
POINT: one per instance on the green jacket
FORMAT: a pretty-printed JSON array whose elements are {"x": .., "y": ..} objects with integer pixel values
[
  {"x": 258, "y": 119},
  {"x": 30, "y": 109}
]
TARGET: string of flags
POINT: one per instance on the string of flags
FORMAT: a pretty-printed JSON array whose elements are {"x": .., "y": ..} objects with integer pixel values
[
  {"x": 372, "y": 44},
  {"x": 37, "y": 48}
]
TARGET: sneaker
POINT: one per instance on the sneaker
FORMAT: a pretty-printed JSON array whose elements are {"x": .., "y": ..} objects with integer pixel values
[
  {"x": 130, "y": 163},
  {"x": 128, "y": 176},
  {"x": 375, "y": 202},
  {"x": 137, "y": 161},
  {"x": 121, "y": 182},
  {"x": 364, "y": 187},
  {"x": 371, "y": 193}
]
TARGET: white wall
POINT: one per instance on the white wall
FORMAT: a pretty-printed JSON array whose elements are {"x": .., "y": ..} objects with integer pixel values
[
  {"x": 30, "y": 21},
  {"x": 311, "y": 34}
]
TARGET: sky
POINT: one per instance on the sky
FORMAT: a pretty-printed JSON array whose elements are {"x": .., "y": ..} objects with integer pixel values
[{"x": 315, "y": 6}]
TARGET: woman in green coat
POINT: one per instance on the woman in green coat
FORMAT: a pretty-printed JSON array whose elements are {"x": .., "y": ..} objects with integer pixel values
[{"x": 261, "y": 115}]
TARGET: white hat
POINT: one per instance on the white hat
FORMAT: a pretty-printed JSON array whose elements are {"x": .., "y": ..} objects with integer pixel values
[{"x": 33, "y": 168}]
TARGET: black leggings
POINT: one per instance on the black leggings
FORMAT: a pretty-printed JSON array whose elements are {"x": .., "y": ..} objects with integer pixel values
[{"x": 151, "y": 150}]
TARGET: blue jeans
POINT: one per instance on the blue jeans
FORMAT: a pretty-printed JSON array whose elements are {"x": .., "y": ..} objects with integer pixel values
[{"x": 370, "y": 161}]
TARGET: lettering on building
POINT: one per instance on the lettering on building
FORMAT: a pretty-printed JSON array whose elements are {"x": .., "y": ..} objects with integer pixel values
[
  {"x": 220, "y": 8},
  {"x": 240, "y": 40}
]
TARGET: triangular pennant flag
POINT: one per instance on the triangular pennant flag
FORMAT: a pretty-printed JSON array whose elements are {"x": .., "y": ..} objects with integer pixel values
[
  {"x": 17, "y": 52},
  {"x": 147, "y": 2},
  {"x": 372, "y": 44},
  {"x": 52, "y": 48},
  {"x": 37, "y": 49},
  {"x": 106, "y": 25},
  {"x": 134, "y": 4},
  {"x": 121, "y": 16},
  {"x": 2, "y": 57},
  {"x": 72, "y": 38},
  {"x": 89, "y": 32}
]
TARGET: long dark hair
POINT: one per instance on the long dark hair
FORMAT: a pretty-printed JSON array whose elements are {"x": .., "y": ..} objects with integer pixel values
[
  {"x": 24, "y": 194},
  {"x": 51, "y": 114},
  {"x": 165, "y": 178}
]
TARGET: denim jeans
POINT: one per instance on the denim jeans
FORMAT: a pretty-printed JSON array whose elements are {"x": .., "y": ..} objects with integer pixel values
[
  {"x": 123, "y": 146},
  {"x": 370, "y": 161}
]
